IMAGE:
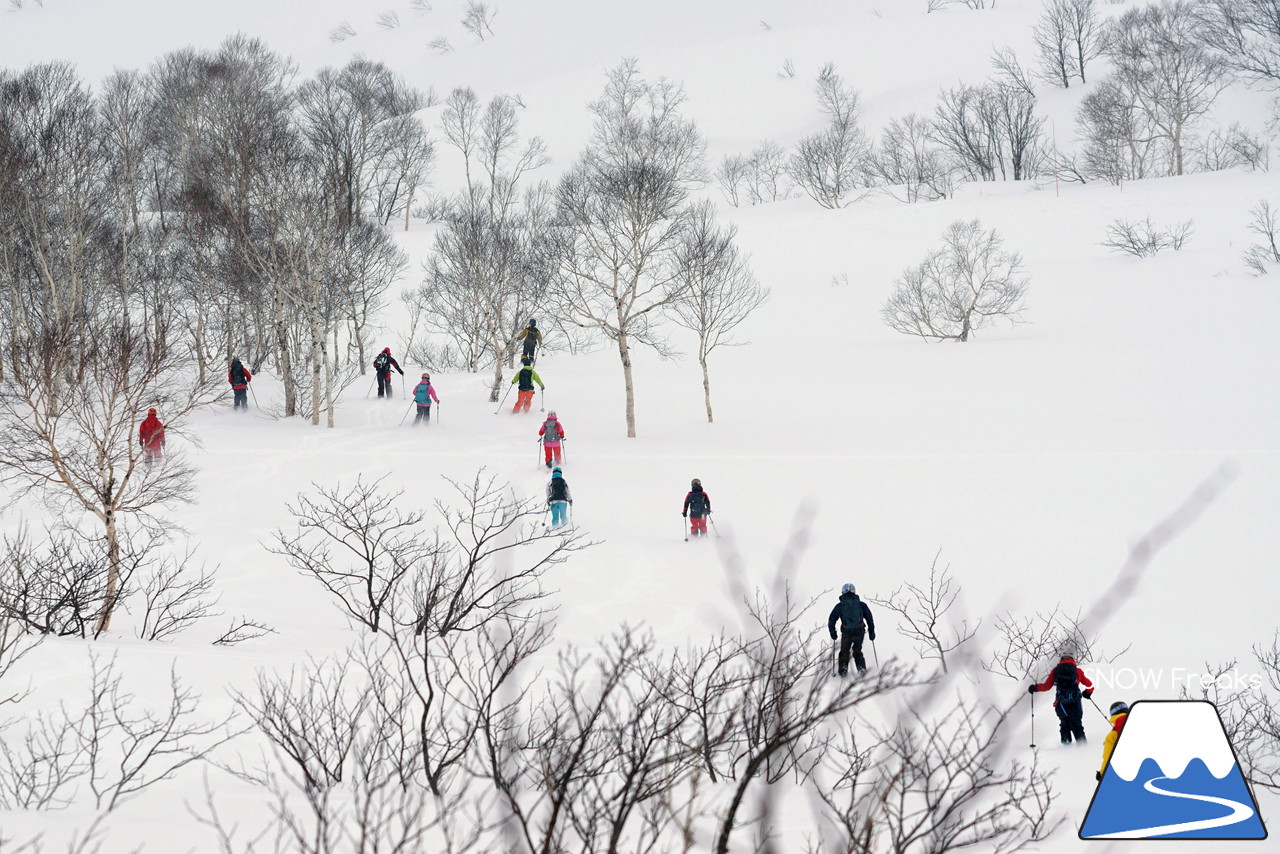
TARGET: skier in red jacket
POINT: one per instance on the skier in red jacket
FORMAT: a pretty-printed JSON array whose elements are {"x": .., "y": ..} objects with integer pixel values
[
  {"x": 151, "y": 437},
  {"x": 1068, "y": 703},
  {"x": 239, "y": 377}
]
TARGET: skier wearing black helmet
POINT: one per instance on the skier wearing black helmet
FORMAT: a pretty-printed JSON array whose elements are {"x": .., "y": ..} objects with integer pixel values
[
  {"x": 1119, "y": 714},
  {"x": 1065, "y": 680},
  {"x": 532, "y": 338}
]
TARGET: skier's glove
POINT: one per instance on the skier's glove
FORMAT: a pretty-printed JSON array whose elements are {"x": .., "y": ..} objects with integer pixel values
[
  {"x": 1088, "y": 694},
  {"x": 684, "y": 515},
  {"x": 833, "y": 635},
  {"x": 1097, "y": 775},
  {"x": 871, "y": 635},
  {"x": 1031, "y": 689}
]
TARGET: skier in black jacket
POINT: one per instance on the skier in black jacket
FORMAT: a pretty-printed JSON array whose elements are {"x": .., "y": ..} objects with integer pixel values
[
  {"x": 382, "y": 367},
  {"x": 852, "y": 612}
]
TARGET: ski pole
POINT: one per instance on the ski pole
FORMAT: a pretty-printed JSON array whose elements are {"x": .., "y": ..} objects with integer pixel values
[
  {"x": 684, "y": 528},
  {"x": 539, "y": 457},
  {"x": 255, "y": 398},
  {"x": 437, "y": 413},
  {"x": 876, "y": 653},
  {"x": 501, "y": 403},
  {"x": 835, "y": 657},
  {"x": 1099, "y": 708},
  {"x": 564, "y": 454},
  {"x": 406, "y": 415},
  {"x": 713, "y": 525},
  {"x": 1033, "y": 720},
  {"x": 370, "y": 391},
  {"x": 571, "y": 525},
  {"x": 542, "y": 399},
  {"x": 402, "y": 391}
]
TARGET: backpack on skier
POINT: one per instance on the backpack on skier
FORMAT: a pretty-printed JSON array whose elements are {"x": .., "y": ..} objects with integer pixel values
[
  {"x": 382, "y": 364},
  {"x": 237, "y": 374},
  {"x": 551, "y": 431},
  {"x": 851, "y": 615},
  {"x": 1066, "y": 683}
]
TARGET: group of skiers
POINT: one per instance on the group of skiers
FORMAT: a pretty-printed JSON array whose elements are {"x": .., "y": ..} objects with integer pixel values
[{"x": 1068, "y": 681}]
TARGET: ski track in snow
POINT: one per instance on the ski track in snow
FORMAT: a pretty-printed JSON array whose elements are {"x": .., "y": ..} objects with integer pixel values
[{"x": 1239, "y": 812}]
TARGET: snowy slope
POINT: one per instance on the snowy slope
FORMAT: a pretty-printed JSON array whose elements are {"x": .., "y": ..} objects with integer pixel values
[{"x": 1033, "y": 456}]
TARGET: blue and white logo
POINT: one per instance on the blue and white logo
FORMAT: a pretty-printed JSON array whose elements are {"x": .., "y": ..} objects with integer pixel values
[{"x": 1173, "y": 775}]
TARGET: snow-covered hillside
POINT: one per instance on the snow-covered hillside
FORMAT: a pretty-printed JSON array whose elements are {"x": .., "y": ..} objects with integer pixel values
[{"x": 1032, "y": 457}]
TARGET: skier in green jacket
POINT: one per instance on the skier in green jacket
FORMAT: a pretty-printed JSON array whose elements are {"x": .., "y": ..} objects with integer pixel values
[{"x": 526, "y": 376}]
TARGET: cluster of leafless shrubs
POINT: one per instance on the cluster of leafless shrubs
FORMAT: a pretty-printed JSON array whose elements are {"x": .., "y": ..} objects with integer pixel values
[
  {"x": 478, "y": 19},
  {"x": 438, "y": 729},
  {"x": 1142, "y": 239},
  {"x": 108, "y": 748},
  {"x": 1263, "y": 255},
  {"x": 983, "y": 132}
]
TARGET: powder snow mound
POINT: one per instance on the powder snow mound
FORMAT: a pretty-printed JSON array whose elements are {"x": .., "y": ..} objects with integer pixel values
[{"x": 1173, "y": 734}]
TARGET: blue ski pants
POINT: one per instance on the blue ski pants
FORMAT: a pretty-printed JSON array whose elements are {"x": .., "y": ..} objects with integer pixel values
[{"x": 559, "y": 513}]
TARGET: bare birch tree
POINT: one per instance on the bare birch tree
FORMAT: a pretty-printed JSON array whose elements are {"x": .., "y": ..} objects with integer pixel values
[
  {"x": 834, "y": 162},
  {"x": 488, "y": 273},
  {"x": 960, "y": 288},
  {"x": 623, "y": 209},
  {"x": 1247, "y": 34},
  {"x": 1171, "y": 75},
  {"x": 71, "y": 432},
  {"x": 991, "y": 131},
  {"x": 721, "y": 291},
  {"x": 908, "y": 157},
  {"x": 1068, "y": 36}
]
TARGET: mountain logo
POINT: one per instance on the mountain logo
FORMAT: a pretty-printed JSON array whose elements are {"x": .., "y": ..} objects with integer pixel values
[{"x": 1173, "y": 775}]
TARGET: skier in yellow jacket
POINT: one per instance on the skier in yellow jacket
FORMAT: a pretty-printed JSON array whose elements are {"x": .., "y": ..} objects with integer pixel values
[
  {"x": 532, "y": 339},
  {"x": 1119, "y": 714}
]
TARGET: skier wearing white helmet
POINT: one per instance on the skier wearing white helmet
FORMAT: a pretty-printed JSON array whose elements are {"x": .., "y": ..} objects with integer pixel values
[
  {"x": 552, "y": 434},
  {"x": 852, "y": 613}
]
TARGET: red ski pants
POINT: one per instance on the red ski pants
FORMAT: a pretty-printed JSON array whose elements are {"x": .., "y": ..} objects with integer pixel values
[
  {"x": 549, "y": 448},
  {"x": 698, "y": 525},
  {"x": 523, "y": 401}
]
